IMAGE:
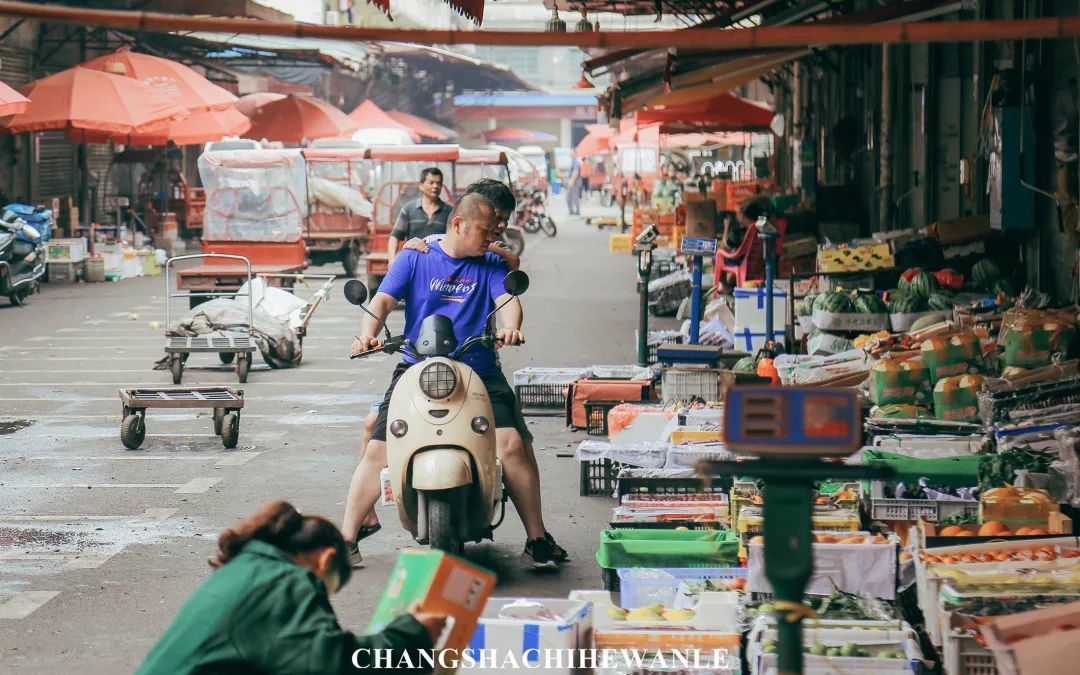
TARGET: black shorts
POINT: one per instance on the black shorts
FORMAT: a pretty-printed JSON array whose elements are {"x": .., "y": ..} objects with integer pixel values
[{"x": 504, "y": 404}]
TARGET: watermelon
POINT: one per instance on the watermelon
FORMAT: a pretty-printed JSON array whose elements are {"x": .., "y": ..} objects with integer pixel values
[
  {"x": 806, "y": 306},
  {"x": 940, "y": 301},
  {"x": 984, "y": 273},
  {"x": 1003, "y": 287},
  {"x": 837, "y": 303},
  {"x": 907, "y": 303},
  {"x": 868, "y": 303},
  {"x": 746, "y": 364},
  {"x": 923, "y": 284},
  {"x": 904, "y": 285}
]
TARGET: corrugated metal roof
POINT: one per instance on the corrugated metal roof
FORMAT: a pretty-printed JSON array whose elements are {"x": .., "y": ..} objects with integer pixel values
[{"x": 524, "y": 99}]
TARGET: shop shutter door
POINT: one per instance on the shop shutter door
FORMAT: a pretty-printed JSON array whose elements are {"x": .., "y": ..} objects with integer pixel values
[
  {"x": 14, "y": 153},
  {"x": 56, "y": 166}
]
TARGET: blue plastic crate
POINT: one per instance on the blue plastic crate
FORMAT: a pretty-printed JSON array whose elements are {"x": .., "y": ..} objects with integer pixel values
[{"x": 643, "y": 586}]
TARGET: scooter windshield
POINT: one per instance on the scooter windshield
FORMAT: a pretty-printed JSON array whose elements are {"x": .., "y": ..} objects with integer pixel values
[{"x": 436, "y": 337}]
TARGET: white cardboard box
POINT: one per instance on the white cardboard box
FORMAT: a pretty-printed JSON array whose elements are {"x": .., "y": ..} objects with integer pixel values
[
  {"x": 750, "y": 308},
  {"x": 529, "y": 640},
  {"x": 751, "y": 340}
]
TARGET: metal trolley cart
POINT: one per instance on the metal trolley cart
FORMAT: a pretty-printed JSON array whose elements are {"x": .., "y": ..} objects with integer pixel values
[
  {"x": 225, "y": 401},
  {"x": 235, "y": 343}
]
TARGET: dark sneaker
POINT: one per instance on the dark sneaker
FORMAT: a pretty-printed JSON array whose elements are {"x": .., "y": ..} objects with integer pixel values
[
  {"x": 557, "y": 552},
  {"x": 355, "y": 559},
  {"x": 539, "y": 553}
]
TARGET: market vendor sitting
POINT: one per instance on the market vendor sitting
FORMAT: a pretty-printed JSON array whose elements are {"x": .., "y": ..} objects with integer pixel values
[
  {"x": 739, "y": 234},
  {"x": 266, "y": 608}
]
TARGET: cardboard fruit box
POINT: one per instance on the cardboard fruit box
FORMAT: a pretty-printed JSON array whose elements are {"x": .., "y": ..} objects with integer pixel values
[{"x": 1040, "y": 641}]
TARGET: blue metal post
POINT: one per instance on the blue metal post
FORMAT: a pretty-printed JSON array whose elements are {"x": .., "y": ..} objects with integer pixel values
[{"x": 695, "y": 301}]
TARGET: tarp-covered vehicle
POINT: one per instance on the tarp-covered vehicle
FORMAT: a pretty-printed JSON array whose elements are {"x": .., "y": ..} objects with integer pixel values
[{"x": 339, "y": 212}]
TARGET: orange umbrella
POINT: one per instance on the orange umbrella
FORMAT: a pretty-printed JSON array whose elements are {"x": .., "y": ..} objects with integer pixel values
[
  {"x": 248, "y": 103},
  {"x": 425, "y": 128},
  {"x": 92, "y": 106},
  {"x": 201, "y": 127},
  {"x": 295, "y": 119},
  {"x": 368, "y": 115},
  {"x": 174, "y": 80},
  {"x": 11, "y": 101}
]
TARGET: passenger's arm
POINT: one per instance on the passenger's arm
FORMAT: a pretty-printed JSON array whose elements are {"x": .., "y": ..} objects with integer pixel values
[
  {"x": 511, "y": 317},
  {"x": 509, "y": 257}
]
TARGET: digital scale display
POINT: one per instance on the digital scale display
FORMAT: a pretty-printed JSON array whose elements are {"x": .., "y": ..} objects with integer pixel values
[
  {"x": 692, "y": 246},
  {"x": 792, "y": 420}
]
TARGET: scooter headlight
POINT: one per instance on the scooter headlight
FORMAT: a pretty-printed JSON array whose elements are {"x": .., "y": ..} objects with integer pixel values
[
  {"x": 438, "y": 380},
  {"x": 399, "y": 428}
]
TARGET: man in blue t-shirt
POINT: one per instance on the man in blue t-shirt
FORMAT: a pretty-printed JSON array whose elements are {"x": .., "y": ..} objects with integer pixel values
[{"x": 459, "y": 278}]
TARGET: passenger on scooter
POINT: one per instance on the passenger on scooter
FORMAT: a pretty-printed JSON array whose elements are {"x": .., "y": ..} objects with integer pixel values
[{"x": 430, "y": 284}]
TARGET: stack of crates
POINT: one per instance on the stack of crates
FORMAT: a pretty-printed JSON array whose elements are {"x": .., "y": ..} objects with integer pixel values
[{"x": 684, "y": 384}]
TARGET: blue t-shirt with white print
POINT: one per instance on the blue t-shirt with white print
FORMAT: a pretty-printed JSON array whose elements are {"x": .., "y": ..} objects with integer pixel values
[{"x": 462, "y": 289}]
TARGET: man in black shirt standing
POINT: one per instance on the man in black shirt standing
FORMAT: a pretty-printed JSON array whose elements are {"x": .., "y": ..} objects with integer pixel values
[{"x": 423, "y": 217}]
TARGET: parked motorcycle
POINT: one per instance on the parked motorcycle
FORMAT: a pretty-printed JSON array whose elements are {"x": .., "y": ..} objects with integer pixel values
[
  {"x": 446, "y": 479},
  {"x": 22, "y": 258},
  {"x": 514, "y": 237},
  {"x": 533, "y": 215}
]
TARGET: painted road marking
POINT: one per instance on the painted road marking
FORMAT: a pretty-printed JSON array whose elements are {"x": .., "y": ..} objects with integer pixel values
[
  {"x": 197, "y": 486},
  {"x": 23, "y": 604},
  {"x": 72, "y": 561},
  {"x": 343, "y": 384},
  {"x": 223, "y": 459},
  {"x": 260, "y": 436},
  {"x": 151, "y": 516},
  {"x": 222, "y": 369},
  {"x": 238, "y": 459},
  {"x": 192, "y": 487}
]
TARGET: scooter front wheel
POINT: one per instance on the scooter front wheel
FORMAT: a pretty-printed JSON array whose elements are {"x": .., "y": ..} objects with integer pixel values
[
  {"x": 548, "y": 226},
  {"x": 445, "y": 513}
]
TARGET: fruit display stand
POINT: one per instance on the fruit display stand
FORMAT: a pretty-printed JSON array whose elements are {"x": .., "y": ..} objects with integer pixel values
[
  {"x": 858, "y": 564},
  {"x": 662, "y": 548},
  {"x": 643, "y": 586},
  {"x": 841, "y": 647}
]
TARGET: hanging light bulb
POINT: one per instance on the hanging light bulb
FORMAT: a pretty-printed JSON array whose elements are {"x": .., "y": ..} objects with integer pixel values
[
  {"x": 555, "y": 24},
  {"x": 583, "y": 24}
]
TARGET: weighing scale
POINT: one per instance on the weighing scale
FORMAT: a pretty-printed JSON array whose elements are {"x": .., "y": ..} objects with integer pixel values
[
  {"x": 644, "y": 268},
  {"x": 792, "y": 430}
]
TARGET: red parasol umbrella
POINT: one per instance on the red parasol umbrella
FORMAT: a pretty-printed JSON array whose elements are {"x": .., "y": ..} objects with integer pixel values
[
  {"x": 723, "y": 112},
  {"x": 368, "y": 115},
  {"x": 295, "y": 119},
  {"x": 11, "y": 101},
  {"x": 201, "y": 127},
  {"x": 515, "y": 135},
  {"x": 174, "y": 80},
  {"x": 250, "y": 102},
  {"x": 92, "y": 106},
  {"x": 425, "y": 128}
]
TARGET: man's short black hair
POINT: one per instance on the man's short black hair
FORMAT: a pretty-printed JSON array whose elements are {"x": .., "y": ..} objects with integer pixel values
[
  {"x": 496, "y": 192},
  {"x": 755, "y": 207},
  {"x": 430, "y": 171}
]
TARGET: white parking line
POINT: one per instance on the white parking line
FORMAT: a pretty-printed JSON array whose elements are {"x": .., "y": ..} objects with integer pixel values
[
  {"x": 23, "y": 604},
  {"x": 194, "y": 486},
  {"x": 151, "y": 516},
  {"x": 72, "y": 561},
  {"x": 238, "y": 459}
]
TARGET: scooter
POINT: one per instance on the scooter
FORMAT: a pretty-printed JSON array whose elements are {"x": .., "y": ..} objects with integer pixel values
[
  {"x": 22, "y": 258},
  {"x": 536, "y": 217},
  {"x": 446, "y": 478}
]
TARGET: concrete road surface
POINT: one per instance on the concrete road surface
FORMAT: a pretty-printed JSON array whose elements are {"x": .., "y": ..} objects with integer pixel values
[{"x": 99, "y": 546}]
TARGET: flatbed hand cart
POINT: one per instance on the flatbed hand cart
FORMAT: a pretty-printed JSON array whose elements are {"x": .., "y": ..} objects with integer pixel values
[
  {"x": 225, "y": 401},
  {"x": 235, "y": 343}
]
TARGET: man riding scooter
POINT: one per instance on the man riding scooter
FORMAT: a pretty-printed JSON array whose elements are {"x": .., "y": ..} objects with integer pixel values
[{"x": 460, "y": 280}]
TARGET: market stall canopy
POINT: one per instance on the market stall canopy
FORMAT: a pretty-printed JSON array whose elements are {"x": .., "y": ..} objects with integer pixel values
[
  {"x": 11, "y": 101},
  {"x": 93, "y": 106},
  {"x": 248, "y": 103},
  {"x": 295, "y": 119},
  {"x": 722, "y": 112},
  {"x": 596, "y": 141},
  {"x": 367, "y": 115},
  {"x": 700, "y": 140},
  {"x": 425, "y": 128},
  {"x": 516, "y": 135},
  {"x": 200, "y": 127},
  {"x": 174, "y": 80}
]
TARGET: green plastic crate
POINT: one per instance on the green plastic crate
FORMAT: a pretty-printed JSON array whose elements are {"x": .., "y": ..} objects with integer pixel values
[
  {"x": 667, "y": 548},
  {"x": 960, "y": 471}
]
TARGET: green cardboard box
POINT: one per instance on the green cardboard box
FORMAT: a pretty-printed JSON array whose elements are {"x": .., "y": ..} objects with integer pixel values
[{"x": 440, "y": 583}]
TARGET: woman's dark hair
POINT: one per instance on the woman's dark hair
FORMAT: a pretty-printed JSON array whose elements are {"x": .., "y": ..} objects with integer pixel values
[
  {"x": 281, "y": 525},
  {"x": 430, "y": 171},
  {"x": 755, "y": 207},
  {"x": 495, "y": 192}
]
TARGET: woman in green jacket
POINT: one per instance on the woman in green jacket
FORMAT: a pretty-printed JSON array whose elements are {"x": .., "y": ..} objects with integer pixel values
[{"x": 266, "y": 608}]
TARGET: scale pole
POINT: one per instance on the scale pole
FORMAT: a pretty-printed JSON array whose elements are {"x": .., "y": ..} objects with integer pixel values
[
  {"x": 768, "y": 234},
  {"x": 644, "y": 253},
  {"x": 695, "y": 301}
]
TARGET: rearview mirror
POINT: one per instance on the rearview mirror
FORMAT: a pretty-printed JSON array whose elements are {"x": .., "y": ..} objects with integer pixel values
[
  {"x": 356, "y": 292},
  {"x": 516, "y": 283}
]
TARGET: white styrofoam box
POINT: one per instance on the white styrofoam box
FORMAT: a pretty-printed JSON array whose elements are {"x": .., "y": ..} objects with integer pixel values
[
  {"x": 901, "y": 323},
  {"x": 854, "y": 568},
  {"x": 748, "y": 340},
  {"x": 913, "y": 445},
  {"x": 528, "y": 639},
  {"x": 750, "y": 308},
  {"x": 845, "y": 321},
  {"x": 71, "y": 250}
]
